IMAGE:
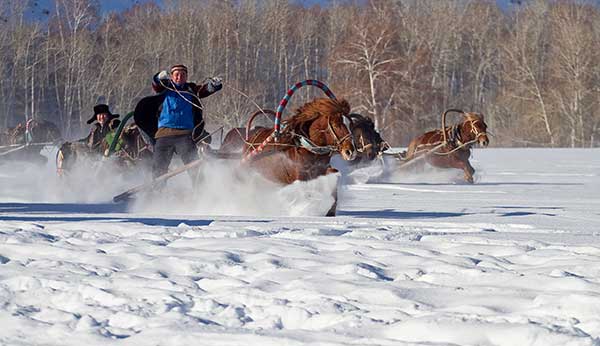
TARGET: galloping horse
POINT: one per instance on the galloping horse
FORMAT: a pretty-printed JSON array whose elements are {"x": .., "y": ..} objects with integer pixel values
[
  {"x": 30, "y": 138},
  {"x": 369, "y": 143},
  {"x": 308, "y": 140},
  {"x": 451, "y": 148},
  {"x": 34, "y": 131}
]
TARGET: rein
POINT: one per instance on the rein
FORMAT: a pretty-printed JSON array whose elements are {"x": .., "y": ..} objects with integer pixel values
[{"x": 180, "y": 93}]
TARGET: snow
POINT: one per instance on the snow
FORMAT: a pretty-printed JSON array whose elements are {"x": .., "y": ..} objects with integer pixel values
[{"x": 411, "y": 259}]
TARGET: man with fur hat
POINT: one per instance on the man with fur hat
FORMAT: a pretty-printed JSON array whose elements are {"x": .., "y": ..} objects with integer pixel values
[
  {"x": 101, "y": 119},
  {"x": 176, "y": 116}
]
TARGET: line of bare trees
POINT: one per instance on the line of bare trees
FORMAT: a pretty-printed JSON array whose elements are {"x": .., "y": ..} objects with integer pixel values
[{"x": 533, "y": 70}]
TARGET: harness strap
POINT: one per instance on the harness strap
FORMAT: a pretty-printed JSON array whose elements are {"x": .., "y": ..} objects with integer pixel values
[{"x": 318, "y": 150}]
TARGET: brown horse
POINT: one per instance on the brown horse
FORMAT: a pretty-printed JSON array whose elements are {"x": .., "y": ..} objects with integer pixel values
[
  {"x": 308, "y": 140},
  {"x": 29, "y": 139},
  {"x": 369, "y": 143},
  {"x": 34, "y": 131},
  {"x": 451, "y": 148}
]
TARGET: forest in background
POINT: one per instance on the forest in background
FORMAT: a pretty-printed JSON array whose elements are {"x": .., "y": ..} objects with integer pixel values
[{"x": 533, "y": 70}]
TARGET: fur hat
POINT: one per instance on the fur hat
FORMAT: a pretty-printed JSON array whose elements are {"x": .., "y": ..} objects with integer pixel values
[
  {"x": 179, "y": 67},
  {"x": 102, "y": 108}
]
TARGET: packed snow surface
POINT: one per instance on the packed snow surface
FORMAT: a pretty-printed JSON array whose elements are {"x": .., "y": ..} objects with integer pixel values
[{"x": 411, "y": 258}]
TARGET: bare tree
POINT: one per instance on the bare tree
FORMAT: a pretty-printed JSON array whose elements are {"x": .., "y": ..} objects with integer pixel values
[
  {"x": 524, "y": 67},
  {"x": 370, "y": 51},
  {"x": 573, "y": 67}
]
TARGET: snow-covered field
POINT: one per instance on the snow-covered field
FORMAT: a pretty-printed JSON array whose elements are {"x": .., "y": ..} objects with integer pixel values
[{"x": 409, "y": 260}]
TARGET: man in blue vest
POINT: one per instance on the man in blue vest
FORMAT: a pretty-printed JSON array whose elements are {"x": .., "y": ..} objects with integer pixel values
[{"x": 179, "y": 116}]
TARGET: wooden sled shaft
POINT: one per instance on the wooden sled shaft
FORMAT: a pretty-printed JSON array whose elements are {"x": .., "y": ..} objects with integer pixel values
[{"x": 125, "y": 195}]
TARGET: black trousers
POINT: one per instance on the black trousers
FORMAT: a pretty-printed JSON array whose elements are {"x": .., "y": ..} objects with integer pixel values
[{"x": 165, "y": 147}]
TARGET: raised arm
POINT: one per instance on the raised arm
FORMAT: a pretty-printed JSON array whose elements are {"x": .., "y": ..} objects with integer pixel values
[
  {"x": 159, "y": 80},
  {"x": 208, "y": 87}
]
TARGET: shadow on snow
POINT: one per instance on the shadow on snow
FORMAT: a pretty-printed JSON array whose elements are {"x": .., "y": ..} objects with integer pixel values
[
  {"x": 395, "y": 214},
  {"x": 94, "y": 209}
]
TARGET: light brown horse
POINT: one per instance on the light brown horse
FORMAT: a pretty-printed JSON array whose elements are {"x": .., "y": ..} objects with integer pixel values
[
  {"x": 451, "y": 148},
  {"x": 308, "y": 140}
]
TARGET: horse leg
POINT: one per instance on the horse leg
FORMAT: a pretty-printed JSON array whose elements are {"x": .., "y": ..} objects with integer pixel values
[
  {"x": 332, "y": 210},
  {"x": 469, "y": 171}
]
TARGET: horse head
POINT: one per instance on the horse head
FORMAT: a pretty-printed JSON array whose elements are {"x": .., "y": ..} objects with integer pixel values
[
  {"x": 326, "y": 124},
  {"x": 65, "y": 158},
  {"x": 474, "y": 129},
  {"x": 369, "y": 143},
  {"x": 16, "y": 135}
]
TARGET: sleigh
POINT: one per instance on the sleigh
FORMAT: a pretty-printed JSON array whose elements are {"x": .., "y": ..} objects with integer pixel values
[
  {"x": 24, "y": 142},
  {"x": 127, "y": 148},
  {"x": 298, "y": 149}
]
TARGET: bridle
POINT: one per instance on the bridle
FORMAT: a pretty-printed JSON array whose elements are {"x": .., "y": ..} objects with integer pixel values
[
  {"x": 474, "y": 130},
  {"x": 307, "y": 144},
  {"x": 337, "y": 140}
]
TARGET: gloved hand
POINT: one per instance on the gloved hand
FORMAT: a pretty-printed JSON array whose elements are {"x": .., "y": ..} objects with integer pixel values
[
  {"x": 163, "y": 75},
  {"x": 215, "y": 81},
  {"x": 213, "y": 84}
]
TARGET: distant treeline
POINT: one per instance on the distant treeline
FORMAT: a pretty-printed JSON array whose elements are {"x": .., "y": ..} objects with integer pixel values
[{"x": 533, "y": 70}]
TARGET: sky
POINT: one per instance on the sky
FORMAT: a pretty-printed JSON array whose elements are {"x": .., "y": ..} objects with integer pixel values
[{"x": 120, "y": 5}]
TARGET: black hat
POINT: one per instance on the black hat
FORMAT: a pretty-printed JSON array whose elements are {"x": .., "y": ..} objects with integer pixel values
[{"x": 102, "y": 108}]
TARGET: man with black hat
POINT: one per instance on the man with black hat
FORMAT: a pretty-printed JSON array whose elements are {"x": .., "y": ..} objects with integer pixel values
[
  {"x": 179, "y": 116},
  {"x": 101, "y": 118}
]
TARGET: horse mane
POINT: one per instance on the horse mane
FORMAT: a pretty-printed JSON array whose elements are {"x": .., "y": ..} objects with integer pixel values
[
  {"x": 314, "y": 109},
  {"x": 471, "y": 116},
  {"x": 360, "y": 120}
]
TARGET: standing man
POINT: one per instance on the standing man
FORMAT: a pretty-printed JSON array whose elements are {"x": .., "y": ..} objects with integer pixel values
[{"x": 179, "y": 115}]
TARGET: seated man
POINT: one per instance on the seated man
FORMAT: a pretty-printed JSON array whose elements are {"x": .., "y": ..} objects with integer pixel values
[{"x": 101, "y": 119}]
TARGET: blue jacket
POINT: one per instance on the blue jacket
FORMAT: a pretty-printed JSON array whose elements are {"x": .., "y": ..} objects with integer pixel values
[{"x": 177, "y": 112}]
